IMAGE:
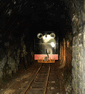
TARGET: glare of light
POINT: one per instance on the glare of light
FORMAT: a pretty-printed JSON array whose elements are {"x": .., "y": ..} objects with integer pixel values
[
  {"x": 52, "y": 44},
  {"x": 14, "y": 2},
  {"x": 9, "y": 12},
  {"x": 39, "y": 35},
  {"x": 46, "y": 39},
  {"x": 48, "y": 36}
]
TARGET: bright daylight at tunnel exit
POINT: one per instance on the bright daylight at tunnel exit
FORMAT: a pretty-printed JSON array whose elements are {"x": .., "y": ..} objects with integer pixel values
[{"x": 42, "y": 47}]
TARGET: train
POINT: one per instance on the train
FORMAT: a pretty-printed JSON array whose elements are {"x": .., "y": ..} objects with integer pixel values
[{"x": 46, "y": 48}]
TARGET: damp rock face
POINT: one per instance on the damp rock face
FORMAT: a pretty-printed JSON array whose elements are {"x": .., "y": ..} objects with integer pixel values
[
  {"x": 13, "y": 56},
  {"x": 78, "y": 53},
  {"x": 8, "y": 64},
  {"x": 2, "y": 64},
  {"x": 12, "y": 64}
]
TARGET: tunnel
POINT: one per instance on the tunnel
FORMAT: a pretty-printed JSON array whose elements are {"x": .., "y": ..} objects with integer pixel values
[{"x": 22, "y": 20}]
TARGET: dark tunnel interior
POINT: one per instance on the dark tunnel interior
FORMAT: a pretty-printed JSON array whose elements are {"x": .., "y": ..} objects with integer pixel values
[
  {"x": 35, "y": 16},
  {"x": 22, "y": 20},
  {"x": 32, "y": 17}
]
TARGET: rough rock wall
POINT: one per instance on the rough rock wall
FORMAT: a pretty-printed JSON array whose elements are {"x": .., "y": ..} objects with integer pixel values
[
  {"x": 76, "y": 8},
  {"x": 69, "y": 40},
  {"x": 9, "y": 62},
  {"x": 13, "y": 57},
  {"x": 66, "y": 51},
  {"x": 62, "y": 53},
  {"x": 78, "y": 64},
  {"x": 66, "y": 61},
  {"x": 78, "y": 52}
]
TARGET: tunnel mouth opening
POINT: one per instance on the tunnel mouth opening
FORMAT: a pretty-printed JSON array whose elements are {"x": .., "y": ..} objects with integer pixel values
[{"x": 65, "y": 26}]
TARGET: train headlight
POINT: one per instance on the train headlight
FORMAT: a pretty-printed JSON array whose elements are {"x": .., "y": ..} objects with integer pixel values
[
  {"x": 52, "y": 44},
  {"x": 52, "y": 35},
  {"x": 47, "y": 38},
  {"x": 40, "y": 35}
]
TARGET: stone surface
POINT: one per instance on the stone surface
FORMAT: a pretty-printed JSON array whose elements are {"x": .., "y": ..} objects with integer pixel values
[
  {"x": 77, "y": 64},
  {"x": 12, "y": 64},
  {"x": 10, "y": 57},
  {"x": 2, "y": 64}
]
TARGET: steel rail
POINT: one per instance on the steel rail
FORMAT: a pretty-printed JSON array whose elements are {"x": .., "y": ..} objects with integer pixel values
[
  {"x": 45, "y": 91},
  {"x": 28, "y": 87}
]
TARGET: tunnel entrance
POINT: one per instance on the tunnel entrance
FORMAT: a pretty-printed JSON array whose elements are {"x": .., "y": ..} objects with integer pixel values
[{"x": 21, "y": 21}]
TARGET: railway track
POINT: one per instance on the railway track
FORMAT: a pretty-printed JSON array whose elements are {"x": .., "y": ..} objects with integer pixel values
[
  {"x": 40, "y": 79},
  {"x": 38, "y": 84}
]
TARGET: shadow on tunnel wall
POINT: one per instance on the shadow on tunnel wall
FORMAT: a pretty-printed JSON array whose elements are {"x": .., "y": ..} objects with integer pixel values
[
  {"x": 66, "y": 60},
  {"x": 15, "y": 55}
]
